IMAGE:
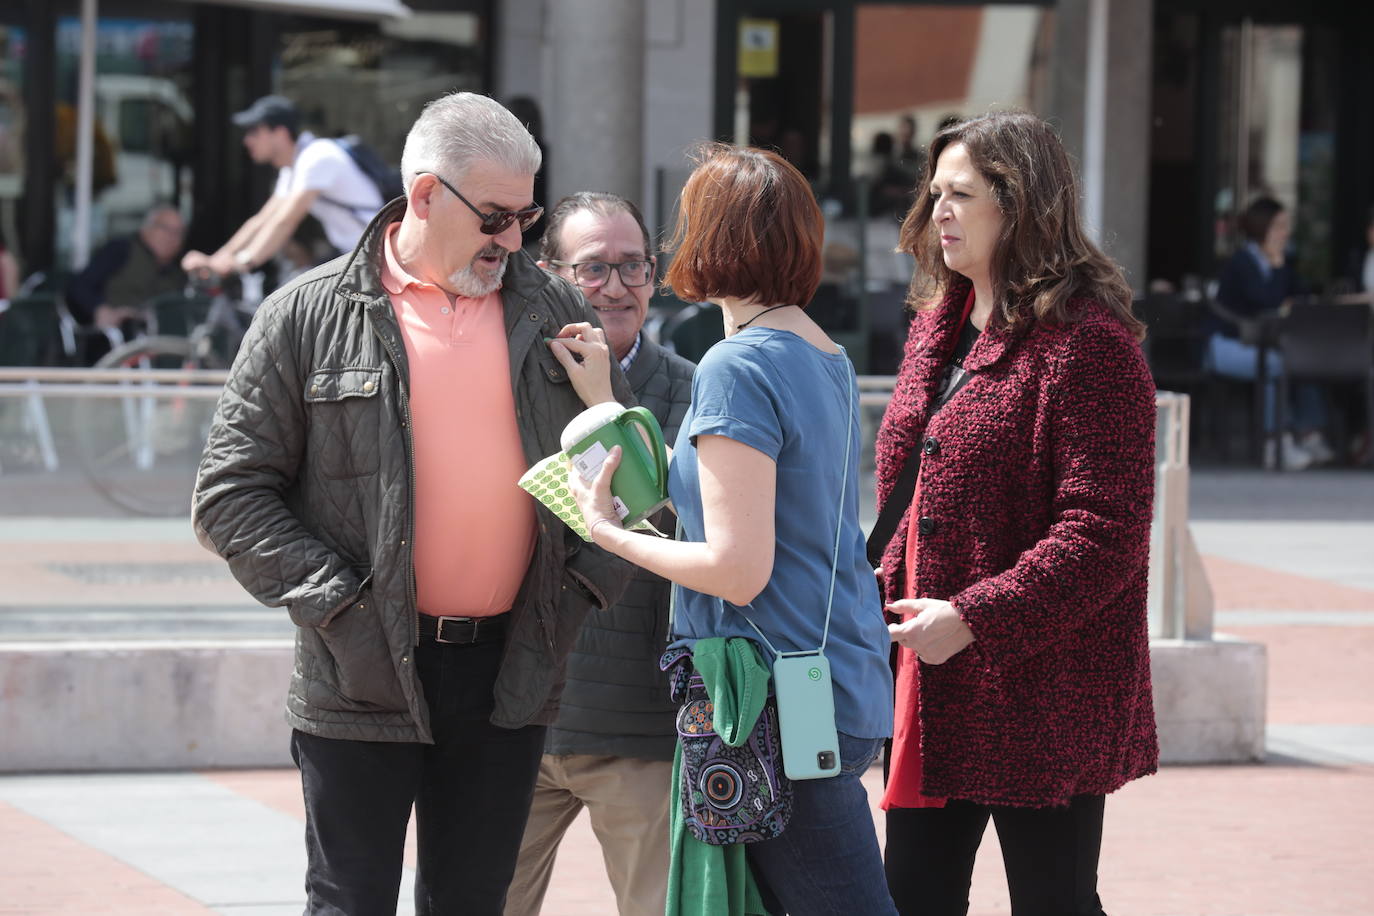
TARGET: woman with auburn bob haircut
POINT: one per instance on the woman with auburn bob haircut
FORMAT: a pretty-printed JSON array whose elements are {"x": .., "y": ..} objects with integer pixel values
[
  {"x": 763, "y": 476},
  {"x": 1015, "y": 476}
]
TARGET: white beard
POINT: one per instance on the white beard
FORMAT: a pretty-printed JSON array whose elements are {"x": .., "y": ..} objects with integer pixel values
[{"x": 472, "y": 284}]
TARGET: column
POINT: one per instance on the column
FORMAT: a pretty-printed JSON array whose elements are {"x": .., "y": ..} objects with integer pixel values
[
  {"x": 1101, "y": 100},
  {"x": 596, "y": 115}
]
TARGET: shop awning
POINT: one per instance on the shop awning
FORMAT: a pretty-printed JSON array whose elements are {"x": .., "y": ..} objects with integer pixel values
[{"x": 334, "y": 9}]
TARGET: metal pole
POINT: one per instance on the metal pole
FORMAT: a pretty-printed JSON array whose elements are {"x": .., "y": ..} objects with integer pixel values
[
  {"x": 85, "y": 138},
  {"x": 1095, "y": 119}
]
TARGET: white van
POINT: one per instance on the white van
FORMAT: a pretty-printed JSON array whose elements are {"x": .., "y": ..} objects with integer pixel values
[{"x": 148, "y": 122}]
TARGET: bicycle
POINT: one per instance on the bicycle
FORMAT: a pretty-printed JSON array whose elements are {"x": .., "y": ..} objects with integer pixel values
[{"x": 143, "y": 457}]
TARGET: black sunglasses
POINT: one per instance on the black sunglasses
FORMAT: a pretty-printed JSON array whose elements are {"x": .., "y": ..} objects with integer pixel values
[{"x": 497, "y": 221}]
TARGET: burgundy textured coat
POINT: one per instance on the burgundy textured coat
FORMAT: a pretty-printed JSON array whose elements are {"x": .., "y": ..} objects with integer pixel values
[{"x": 1036, "y": 491}]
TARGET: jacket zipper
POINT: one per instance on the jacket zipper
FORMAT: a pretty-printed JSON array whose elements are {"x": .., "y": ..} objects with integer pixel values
[
  {"x": 410, "y": 488},
  {"x": 543, "y": 536}
]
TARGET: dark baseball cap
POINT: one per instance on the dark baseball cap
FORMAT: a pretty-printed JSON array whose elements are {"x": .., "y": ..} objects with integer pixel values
[{"x": 272, "y": 110}]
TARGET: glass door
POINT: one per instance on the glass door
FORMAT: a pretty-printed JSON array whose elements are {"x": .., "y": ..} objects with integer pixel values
[{"x": 1276, "y": 135}]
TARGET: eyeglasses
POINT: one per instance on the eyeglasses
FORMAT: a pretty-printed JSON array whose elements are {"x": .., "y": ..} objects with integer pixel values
[
  {"x": 594, "y": 274},
  {"x": 497, "y": 221}
]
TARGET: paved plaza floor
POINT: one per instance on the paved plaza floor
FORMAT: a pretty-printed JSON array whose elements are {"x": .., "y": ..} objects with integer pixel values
[{"x": 1290, "y": 559}]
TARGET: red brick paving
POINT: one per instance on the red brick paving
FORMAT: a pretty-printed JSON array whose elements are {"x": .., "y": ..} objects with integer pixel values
[
  {"x": 1244, "y": 586},
  {"x": 1318, "y": 676},
  {"x": 43, "y": 870},
  {"x": 1202, "y": 841}
]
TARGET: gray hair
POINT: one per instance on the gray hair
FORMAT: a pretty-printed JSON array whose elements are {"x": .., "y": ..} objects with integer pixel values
[
  {"x": 156, "y": 210},
  {"x": 457, "y": 130}
]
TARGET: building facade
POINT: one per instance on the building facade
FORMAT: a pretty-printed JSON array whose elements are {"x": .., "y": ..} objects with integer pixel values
[{"x": 1178, "y": 113}]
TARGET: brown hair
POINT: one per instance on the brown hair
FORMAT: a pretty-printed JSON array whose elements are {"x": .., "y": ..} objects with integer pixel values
[
  {"x": 1043, "y": 258},
  {"x": 748, "y": 226},
  {"x": 602, "y": 203},
  {"x": 1258, "y": 217}
]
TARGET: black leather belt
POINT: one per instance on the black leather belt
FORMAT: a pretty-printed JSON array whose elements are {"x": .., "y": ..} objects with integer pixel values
[{"x": 463, "y": 631}]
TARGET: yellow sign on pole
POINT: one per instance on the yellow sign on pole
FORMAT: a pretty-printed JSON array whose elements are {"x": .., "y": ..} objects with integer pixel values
[{"x": 758, "y": 47}]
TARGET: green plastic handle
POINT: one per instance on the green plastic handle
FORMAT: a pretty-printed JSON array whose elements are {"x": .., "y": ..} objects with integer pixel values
[{"x": 640, "y": 416}]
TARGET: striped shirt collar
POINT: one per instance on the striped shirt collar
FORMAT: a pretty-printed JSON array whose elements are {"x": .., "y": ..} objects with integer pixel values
[{"x": 634, "y": 351}]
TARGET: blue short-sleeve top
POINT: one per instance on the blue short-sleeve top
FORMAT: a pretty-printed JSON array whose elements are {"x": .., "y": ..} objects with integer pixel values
[{"x": 774, "y": 392}]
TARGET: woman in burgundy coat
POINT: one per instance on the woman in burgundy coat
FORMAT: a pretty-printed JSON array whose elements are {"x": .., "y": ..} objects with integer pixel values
[{"x": 1016, "y": 571}]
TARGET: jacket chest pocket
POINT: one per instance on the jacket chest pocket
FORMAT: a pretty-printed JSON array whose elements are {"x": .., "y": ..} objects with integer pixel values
[
  {"x": 344, "y": 411},
  {"x": 550, "y": 368}
]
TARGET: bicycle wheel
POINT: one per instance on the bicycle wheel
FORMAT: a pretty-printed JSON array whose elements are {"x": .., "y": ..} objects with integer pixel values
[{"x": 140, "y": 448}]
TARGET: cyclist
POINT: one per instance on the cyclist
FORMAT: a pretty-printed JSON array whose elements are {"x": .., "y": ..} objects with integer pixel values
[{"x": 315, "y": 176}]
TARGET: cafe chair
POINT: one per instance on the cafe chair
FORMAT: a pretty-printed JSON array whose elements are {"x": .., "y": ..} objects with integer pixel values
[{"x": 1329, "y": 344}]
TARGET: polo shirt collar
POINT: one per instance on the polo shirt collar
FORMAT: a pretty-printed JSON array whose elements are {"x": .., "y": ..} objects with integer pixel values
[{"x": 395, "y": 278}]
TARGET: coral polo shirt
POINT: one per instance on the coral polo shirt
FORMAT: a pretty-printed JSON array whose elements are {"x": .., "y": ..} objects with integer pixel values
[{"x": 474, "y": 526}]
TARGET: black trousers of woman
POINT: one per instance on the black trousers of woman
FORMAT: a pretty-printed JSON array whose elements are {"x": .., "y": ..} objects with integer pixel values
[{"x": 1050, "y": 855}]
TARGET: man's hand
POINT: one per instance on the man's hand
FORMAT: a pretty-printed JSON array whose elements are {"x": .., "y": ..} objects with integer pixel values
[
  {"x": 583, "y": 352},
  {"x": 195, "y": 262},
  {"x": 936, "y": 633},
  {"x": 223, "y": 263}
]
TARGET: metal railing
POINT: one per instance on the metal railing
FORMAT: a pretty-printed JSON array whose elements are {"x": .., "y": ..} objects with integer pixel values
[
  {"x": 139, "y": 389},
  {"x": 108, "y": 383},
  {"x": 1180, "y": 602}
]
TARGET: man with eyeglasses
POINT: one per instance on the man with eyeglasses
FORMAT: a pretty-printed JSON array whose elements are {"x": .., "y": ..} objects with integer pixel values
[
  {"x": 361, "y": 471},
  {"x": 611, "y": 749},
  {"x": 112, "y": 293}
]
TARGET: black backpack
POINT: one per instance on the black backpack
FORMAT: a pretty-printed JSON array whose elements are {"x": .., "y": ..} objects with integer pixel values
[{"x": 386, "y": 177}]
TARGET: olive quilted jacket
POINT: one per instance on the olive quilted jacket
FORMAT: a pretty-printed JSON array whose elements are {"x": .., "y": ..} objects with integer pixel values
[{"x": 305, "y": 488}]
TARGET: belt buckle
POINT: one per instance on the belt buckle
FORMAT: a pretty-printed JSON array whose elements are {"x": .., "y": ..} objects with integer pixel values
[{"x": 439, "y": 630}]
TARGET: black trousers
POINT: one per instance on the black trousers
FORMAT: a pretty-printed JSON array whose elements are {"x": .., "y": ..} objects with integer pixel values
[
  {"x": 471, "y": 793},
  {"x": 1050, "y": 855}
]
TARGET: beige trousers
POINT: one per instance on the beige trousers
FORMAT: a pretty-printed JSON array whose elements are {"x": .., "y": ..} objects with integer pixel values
[{"x": 627, "y": 800}]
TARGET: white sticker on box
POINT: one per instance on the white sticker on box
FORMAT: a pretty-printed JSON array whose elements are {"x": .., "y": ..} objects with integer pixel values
[
  {"x": 589, "y": 463},
  {"x": 621, "y": 509}
]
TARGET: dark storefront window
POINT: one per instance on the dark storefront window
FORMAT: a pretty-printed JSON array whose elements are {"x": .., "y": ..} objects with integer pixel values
[
  {"x": 373, "y": 79},
  {"x": 987, "y": 56},
  {"x": 1246, "y": 109},
  {"x": 143, "y": 119},
  {"x": 11, "y": 131},
  {"x": 851, "y": 94}
]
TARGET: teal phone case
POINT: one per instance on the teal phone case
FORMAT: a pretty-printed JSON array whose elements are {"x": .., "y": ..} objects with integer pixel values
[{"x": 806, "y": 716}]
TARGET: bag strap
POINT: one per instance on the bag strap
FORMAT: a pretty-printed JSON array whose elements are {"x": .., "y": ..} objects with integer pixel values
[
  {"x": 893, "y": 509},
  {"x": 361, "y": 212},
  {"x": 850, "y": 408},
  {"x": 900, "y": 498}
]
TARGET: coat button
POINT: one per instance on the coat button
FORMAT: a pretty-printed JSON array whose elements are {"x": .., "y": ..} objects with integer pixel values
[
  {"x": 367, "y": 386},
  {"x": 314, "y": 389},
  {"x": 925, "y": 524},
  {"x": 931, "y": 446}
]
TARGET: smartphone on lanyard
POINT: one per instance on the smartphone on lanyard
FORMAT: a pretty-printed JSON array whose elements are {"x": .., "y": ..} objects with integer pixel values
[{"x": 806, "y": 715}]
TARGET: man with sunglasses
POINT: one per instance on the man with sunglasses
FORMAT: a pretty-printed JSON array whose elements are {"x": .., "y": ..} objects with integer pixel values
[
  {"x": 361, "y": 471},
  {"x": 611, "y": 749}
]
